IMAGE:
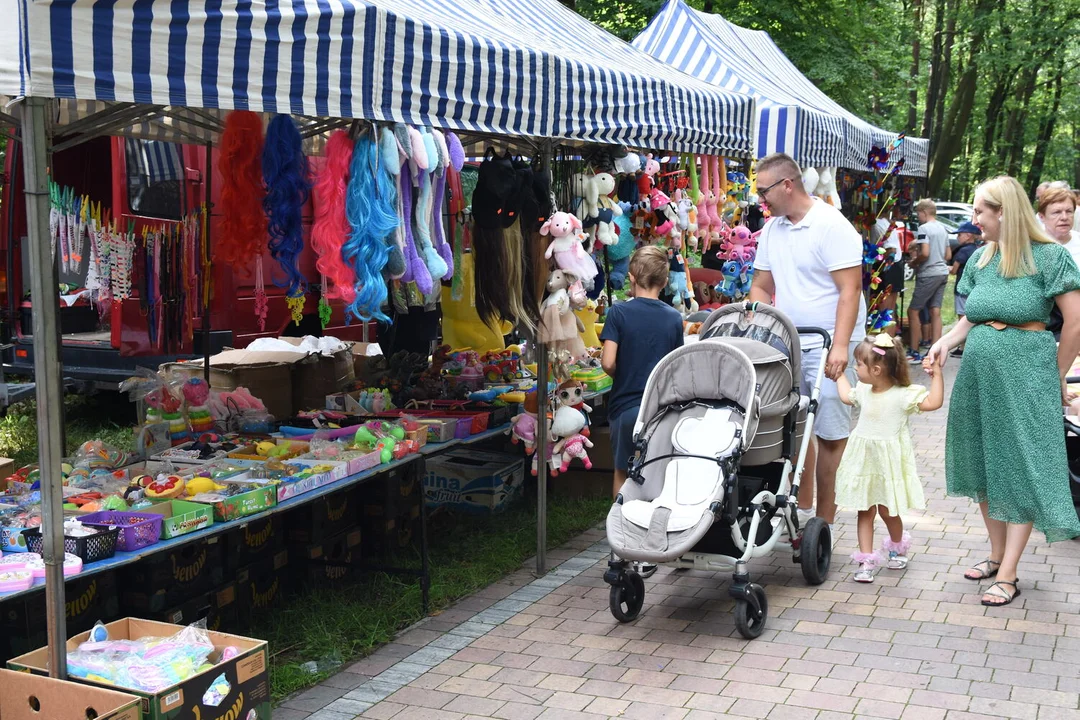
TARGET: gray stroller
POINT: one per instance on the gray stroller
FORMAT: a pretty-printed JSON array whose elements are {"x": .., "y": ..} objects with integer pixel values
[{"x": 720, "y": 441}]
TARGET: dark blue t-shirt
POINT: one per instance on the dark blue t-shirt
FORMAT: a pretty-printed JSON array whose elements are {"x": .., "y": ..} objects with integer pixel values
[
  {"x": 962, "y": 255},
  {"x": 645, "y": 330}
]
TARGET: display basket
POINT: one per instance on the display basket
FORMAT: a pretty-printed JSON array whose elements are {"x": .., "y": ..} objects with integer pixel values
[
  {"x": 137, "y": 530},
  {"x": 90, "y": 548}
]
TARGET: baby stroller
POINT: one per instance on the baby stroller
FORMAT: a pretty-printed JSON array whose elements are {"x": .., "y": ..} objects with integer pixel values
[{"x": 712, "y": 483}]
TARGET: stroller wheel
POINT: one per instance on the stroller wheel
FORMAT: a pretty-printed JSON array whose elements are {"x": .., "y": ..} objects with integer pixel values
[
  {"x": 749, "y": 621},
  {"x": 815, "y": 551},
  {"x": 627, "y": 597}
]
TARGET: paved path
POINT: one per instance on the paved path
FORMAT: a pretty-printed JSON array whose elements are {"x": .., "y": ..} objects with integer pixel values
[{"x": 916, "y": 644}]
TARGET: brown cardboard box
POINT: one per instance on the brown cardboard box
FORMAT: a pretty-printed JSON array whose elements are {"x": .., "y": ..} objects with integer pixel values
[
  {"x": 267, "y": 375},
  {"x": 316, "y": 376},
  {"x": 246, "y": 674},
  {"x": 7, "y": 467},
  {"x": 31, "y": 697}
]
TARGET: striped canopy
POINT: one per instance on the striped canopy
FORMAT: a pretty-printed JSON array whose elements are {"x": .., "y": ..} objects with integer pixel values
[
  {"x": 794, "y": 116},
  {"x": 506, "y": 67}
]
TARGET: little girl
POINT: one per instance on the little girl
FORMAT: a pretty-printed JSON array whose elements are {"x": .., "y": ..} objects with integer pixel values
[{"x": 877, "y": 474}]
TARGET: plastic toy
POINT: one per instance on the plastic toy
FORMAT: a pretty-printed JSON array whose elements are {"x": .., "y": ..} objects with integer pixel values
[
  {"x": 166, "y": 488},
  {"x": 199, "y": 485}
]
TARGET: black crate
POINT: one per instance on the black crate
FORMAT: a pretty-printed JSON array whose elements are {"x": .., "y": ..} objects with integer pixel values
[
  {"x": 324, "y": 517},
  {"x": 217, "y": 608},
  {"x": 253, "y": 541},
  {"x": 334, "y": 560},
  {"x": 170, "y": 578},
  {"x": 261, "y": 586}
]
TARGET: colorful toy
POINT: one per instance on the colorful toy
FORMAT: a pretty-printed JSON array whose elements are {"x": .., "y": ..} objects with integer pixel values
[
  {"x": 573, "y": 447},
  {"x": 199, "y": 485},
  {"x": 523, "y": 425},
  {"x": 165, "y": 488},
  {"x": 567, "y": 236}
]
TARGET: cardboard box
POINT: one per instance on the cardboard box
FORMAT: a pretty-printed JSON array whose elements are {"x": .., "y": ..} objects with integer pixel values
[
  {"x": 324, "y": 516},
  {"x": 473, "y": 482},
  {"x": 254, "y": 541},
  {"x": 317, "y": 376},
  {"x": 182, "y": 517},
  {"x": 7, "y": 467},
  {"x": 246, "y": 674},
  {"x": 31, "y": 697},
  {"x": 268, "y": 375},
  {"x": 217, "y": 608},
  {"x": 331, "y": 561}
]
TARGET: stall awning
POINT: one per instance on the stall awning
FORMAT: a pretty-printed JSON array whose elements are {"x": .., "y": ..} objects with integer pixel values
[
  {"x": 508, "y": 67},
  {"x": 794, "y": 116}
]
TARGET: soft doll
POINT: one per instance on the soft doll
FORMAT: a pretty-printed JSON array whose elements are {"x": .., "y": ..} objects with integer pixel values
[
  {"x": 730, "y": 286},
  {"x": 571, "y": 393},
  {"x": 619, "y": 253},
  {"x": 523, "y": 425},
  {"x": 558, "y": 326},
  {"x": 718, "y": 191},
  {"x": 628, "y": 165},
  {"x": 746, "y": 276},
  {"x": 826, "y": 188},
  {"x": 810, "y": 180},
  {"x": 573, "y": 447},
  {"x": 682, "y": 298},
  {"x": 585, "y": 187},
  {"x": 566, "y": 233},
  {"x": 740, "y": 245},
  {"x": 646, "y": 181},
  {"x": 666, "y": 215},
  {"x": 567, "y": 422},
  {"x": 703, "y": 221},
  {"x": 608, "y": 210}
]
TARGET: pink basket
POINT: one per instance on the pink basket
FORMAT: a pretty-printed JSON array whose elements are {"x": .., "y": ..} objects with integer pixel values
[{"x": 137, "y": 530}]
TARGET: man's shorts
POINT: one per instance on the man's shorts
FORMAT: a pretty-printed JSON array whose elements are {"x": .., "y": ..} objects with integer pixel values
[
  {"x": 833, "y": 419},
  {"x": 960, "y": 303},
  {"x": 929, "y": 292},
  {"x": 622, "y": 437}
]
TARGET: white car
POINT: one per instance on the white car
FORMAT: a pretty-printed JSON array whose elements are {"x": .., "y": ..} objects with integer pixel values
[{"x": 953, "y": 214}]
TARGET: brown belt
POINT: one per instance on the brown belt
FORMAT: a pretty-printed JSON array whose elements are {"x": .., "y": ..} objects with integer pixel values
[{"x": 1033, "y": 326}]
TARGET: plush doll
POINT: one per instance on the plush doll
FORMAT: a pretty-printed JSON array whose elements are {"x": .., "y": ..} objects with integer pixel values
[
  {"x": 740, "y": 245},
  {"x": 566, "y": 234},
  {"x": 573, "y": 447},
  {"x": 619, "y": 254},
  {"x": 571, "y": 393},
  {"x": 523, "y": 425},
  {"x": 608, "y": 209},
  {"x": 729, "y": 288},
  {"x": 567, "y": 422},
  {"x": 667, "y": 216},
  {"x": 628, "y": 165},
  {"x": 578, "y": 296},
  {"x": 810, "y": 180},
  {"x": 826, "y": 188},
  {"x": 585, "y": 187},
  {"x": 745, "y": 277},
  {"x": 703, "y": 222},
  {"x": 558, "y": 326},
  {"x": 682, "y": 298}
]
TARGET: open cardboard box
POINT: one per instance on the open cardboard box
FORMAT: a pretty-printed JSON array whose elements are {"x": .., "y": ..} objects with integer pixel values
[
  {"x": 246, "y": 674},
  {"x": 30, "y": 697}
]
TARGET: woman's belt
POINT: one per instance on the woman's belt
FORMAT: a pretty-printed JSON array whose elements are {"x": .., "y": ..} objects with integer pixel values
[{"x": 1033, "y": 326}]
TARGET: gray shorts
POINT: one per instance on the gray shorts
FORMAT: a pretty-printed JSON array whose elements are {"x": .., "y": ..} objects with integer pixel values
[
  {"x": 960, "y": 304},
  {"x": 833, "y": 419},
  {"x": 929, "y": 292}
]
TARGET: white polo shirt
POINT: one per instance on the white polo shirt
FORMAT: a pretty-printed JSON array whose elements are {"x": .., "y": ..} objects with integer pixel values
[{"x": 801, "y": 257}]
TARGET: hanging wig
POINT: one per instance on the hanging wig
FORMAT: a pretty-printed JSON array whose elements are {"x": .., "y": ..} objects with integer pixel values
[
  {"x": 331, "y": 229},
  {"x": 496, "y": 183},
  {"x": 243, "y": 223},
  {"x": 525, "y": 310},
  {"x": 288, "y": 185},
  {"x": 370, "y": 209}
]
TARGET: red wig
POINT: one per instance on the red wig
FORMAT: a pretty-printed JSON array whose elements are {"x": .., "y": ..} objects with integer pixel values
[{"x": 243, "y": 223}]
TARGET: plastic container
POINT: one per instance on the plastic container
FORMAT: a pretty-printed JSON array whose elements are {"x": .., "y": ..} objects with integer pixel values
[
  {"x": 15, "y": 580},
  {"x": 137, "y": 530},
  {"x": 89, "y": 548}
]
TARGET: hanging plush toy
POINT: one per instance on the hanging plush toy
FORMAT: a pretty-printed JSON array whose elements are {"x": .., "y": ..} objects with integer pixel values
[
  {"x": 608, "y": 209},
  {"x": 559, "y": 327},
  {"x": 566, "y": 234},
  {"x": 584, "y": 186},
  {"x": 619, "y": 253},
  {"x": 729, "y": 288},
  {"x": 523, "y": 425},
  {"x": 682, "y": 298}
]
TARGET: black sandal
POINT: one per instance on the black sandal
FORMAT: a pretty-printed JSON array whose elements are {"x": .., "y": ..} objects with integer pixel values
[
  {"x": 986, "y": 574},
  {"x": 1002, "y": 593}
]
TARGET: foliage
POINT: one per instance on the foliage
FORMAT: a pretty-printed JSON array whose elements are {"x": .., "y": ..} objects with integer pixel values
[
  {"x": 18, "y": 428},
  {"x": 992, "y": 83}
]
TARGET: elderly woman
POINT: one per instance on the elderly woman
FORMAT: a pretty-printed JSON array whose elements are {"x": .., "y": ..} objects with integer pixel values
[
  {"x": 1057, "y": 211},
  {"x": 1005, "y": 447}
]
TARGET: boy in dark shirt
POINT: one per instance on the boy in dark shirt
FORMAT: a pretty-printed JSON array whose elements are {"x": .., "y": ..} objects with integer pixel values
[
  {"x": 967, "y": 235},
  {"x": 636, "y": 335}
]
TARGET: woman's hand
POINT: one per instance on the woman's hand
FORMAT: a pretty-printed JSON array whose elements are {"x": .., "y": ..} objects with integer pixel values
[{"x": 938, "y": 353}]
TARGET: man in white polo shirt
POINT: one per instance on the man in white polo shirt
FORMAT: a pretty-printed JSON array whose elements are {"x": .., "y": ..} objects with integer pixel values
[{"x": 810, "y": 260}]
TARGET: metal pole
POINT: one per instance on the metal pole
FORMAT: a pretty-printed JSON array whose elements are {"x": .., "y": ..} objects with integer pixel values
[
  {"x": 44, "y": 282},
  {"x": 541, "y": 425},
  {"x": 209, "y": 206}
]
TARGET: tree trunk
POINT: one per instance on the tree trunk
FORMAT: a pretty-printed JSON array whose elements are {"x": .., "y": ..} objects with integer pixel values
[
  {"x": 936, "y": 60},
  {"x": 994, "y": 115},
  {"x": 946, "y": 65},
  {"x": 1046, "y": 132},
  {"x": 708, "y": 6},
  {"x": 950, "y": 139},
  {"x": 913, "y": 83},
  {"x": 1076, "y": 154}
]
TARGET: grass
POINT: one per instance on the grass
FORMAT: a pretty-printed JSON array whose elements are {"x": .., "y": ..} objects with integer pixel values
[
  {"x": 948, "y": 308},
  {"x": 335, "y": 626},
  {"x": 85, "y": 418}
]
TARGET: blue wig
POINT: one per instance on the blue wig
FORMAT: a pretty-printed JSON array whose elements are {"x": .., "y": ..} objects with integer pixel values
[
  {"x": 370, "y": 207},
  {"x": 288, "y": 185}
]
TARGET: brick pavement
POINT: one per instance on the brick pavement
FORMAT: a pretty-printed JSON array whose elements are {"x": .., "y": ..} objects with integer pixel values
[{"x": 915, "y": 645}]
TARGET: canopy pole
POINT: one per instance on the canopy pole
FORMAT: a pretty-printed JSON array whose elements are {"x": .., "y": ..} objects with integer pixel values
[
  {"x": 541, "y": 424},
  {"x": 44, "y": 282},
  {"x": 208, "y": 209}
]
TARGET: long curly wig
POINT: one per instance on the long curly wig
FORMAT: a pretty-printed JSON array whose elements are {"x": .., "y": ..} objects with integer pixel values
[
  {"x": 243, "y": 224},
  {"x": 371, "y": 212},
  {"x": 331, "y": 229},
  {"x": 288, "y": 186}
]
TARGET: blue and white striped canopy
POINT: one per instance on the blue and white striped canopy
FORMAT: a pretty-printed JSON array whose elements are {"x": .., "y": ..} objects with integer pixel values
[
  {"x": 508, "y": 67},
  {"x": 794, "y": 116}
]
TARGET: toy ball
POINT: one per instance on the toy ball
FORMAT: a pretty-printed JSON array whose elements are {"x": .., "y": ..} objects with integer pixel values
[{"x": 99, "y": 633}]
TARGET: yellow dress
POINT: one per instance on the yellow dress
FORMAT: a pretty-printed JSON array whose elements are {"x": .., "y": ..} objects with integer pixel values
[{"x": 878, "y": 467}]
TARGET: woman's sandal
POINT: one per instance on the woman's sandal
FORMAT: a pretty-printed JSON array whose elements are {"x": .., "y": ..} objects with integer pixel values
[
  {"x": 996, "y": 591},
  {"x": 986, "y": 568}
]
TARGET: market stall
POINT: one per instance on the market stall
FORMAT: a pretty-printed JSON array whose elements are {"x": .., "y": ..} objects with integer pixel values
[{"x": 566, "y": 79}]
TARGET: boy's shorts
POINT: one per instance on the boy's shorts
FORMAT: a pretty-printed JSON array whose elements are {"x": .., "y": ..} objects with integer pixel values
[
  {"x": 960, "y": 304},
  {"x": 622, "y": 437},
  {"x": 929, "y": 292}
]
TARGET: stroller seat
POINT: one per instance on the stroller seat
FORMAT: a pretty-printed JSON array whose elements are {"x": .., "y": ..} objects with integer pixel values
[{"x": 691, "y": 484}]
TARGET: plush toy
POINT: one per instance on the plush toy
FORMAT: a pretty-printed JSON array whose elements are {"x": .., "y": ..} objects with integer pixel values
[
  {"x": 523, "y": 425},
  {"x": 740, "y": 245},
  {"x": 666, "y": 214},
  {"x": 567, "y": 422},
  {"x": 567, "y": 236},
  {"x": 810, "y": 180},
  {"x": 729, "y": 288},
  {"x": 571, "y": 393},
  {"x": 573, "y": 447},
  {"x": 559, "y": 326},
  {"x": 608, "y": 209},
  {"x": 682, "y": 298},
  {"x": 585, "y": 187},
  {"x": 646, "y": 181},
  {"x": 745, "y": 277},
  {"x": 628, "y": 165},
  {"x": 826, "y": 188}
]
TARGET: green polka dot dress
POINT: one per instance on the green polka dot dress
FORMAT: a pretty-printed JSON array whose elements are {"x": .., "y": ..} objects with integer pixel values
[{"x": 1005, "y": 443}]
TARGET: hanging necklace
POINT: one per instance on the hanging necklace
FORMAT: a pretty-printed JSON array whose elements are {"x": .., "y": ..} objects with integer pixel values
[{"x": 262, "y": 304}]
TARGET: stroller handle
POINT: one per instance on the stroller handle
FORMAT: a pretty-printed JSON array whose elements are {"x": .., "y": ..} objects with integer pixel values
[
  {"x": 1071, "y": 427},
  {"x": 807, "y": 330}
]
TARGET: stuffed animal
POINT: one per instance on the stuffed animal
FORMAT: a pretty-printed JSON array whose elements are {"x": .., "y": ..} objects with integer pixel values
[
  {"x": 608, "y": 209},
  {"x": 810, "y": 180},
  {"x": 585, "y": 187},
  {"x": 571, "y": 393},
  {"x": 682, "y": 298},
  {"x": 740, "y": 245},
  {"x": 628, "y": 165},
  {"x": 667, "y": 216},
  {"x": 745, "y": 277},
  {"x": 567, "y": 422},
  {"x": 523, "y": 425},
  {"x": 730, "y": 286},
  {"x": 567, "y": 236},
  {"x": 558, "y": 326},
  {"x": 573, "y": 447}
]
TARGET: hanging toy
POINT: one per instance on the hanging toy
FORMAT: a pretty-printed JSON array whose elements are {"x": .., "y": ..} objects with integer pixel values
[
  {"x": 390, "y": 159},
  {"x": 436, "y": 266},
  {"x": 285, "y": 172},
  {"x": 438, "y": 234},
  {"x": 566, "y": 234}
]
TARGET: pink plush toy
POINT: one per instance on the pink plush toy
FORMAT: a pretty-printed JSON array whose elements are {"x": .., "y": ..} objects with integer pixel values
[
  {"x": 703, "y": 221},
  {"x": 739, "y": 245},
  {"x": 666, "y": 214},
  {"x": 567, "y": 236},
  {"x": 523, "y": 426},
  {"x": 574, "y": 447}
]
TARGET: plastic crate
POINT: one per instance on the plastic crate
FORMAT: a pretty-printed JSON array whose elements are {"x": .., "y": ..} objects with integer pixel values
[
  {"x": 91, "y": 548},
  {"x": 137, "y": 530}
]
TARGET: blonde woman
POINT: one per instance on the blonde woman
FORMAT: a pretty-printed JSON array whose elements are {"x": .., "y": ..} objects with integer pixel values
[{"x": 1005, "y": 447}]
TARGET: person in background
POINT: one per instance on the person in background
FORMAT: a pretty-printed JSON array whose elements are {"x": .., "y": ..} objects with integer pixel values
[
  {"x": 1004, "y": 447},
  {"x": 1076, "y": 216},
  {"x": 930, "y": 256},
  {"x": 809, "y": 265},
  {"x": 893, "y": 278},
  {"x": 1057, "y": 211},
  {"x": 967, "y": 235}
]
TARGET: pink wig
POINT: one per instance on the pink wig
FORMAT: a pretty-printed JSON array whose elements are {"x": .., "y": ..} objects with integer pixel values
[{"x": 331, "y": 229}]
